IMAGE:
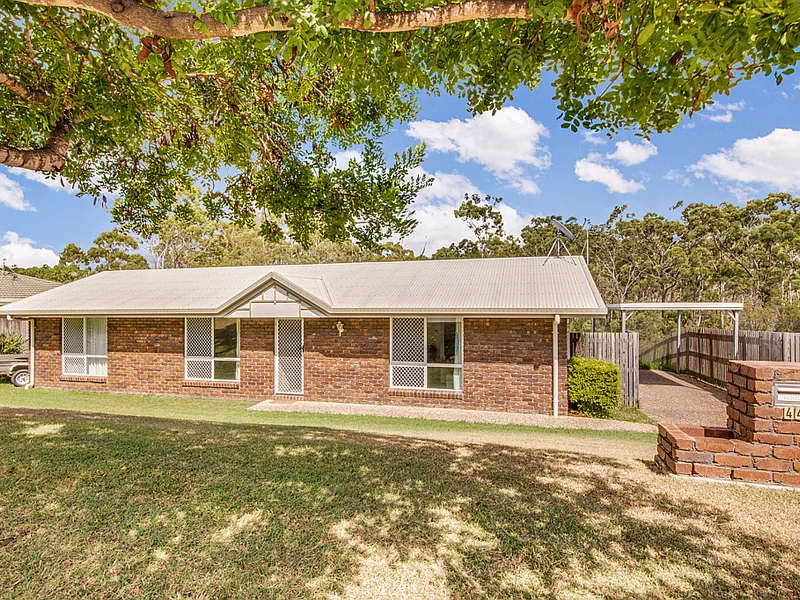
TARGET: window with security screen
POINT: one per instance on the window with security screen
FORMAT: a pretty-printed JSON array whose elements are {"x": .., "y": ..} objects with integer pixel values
[
  {"x": 212, "y": 349},
  {"x": 84, "y": 346},
  {"x": 427, "y": 353}
]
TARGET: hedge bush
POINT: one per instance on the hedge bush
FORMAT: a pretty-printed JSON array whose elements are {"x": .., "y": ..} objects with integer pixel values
[
  {"x": 11, "y": 343},
  {"x": 593, "y": 386}
]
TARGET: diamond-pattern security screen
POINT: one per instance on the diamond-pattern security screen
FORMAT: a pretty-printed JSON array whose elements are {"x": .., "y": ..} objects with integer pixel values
[
  {"x": 289, "y": 356},
  {"x": 404, "y": 376},
  {"x": 74, "y": 365},
  {"x": 199, "y": 369},
  {"x": 408, "y": 340},
  {"x": 200, "y": 338},
  {"x": 72, "y": 340}
]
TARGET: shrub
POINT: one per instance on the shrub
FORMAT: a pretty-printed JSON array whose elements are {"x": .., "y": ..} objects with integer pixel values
[
  {"x": 11, "y": 343},
  {"x": 649, "y": 365},
  {"x": 593, "y": 386}
]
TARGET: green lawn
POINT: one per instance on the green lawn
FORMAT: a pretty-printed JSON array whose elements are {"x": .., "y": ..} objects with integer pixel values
[
  {"x": 103, "y": 506},
  {"x": 232, "y": 411}
]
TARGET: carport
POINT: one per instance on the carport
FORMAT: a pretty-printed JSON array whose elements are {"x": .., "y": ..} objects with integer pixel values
[{"x": 730, "y": 308}]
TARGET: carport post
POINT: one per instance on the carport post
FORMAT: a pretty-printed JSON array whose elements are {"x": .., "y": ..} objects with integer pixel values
[
  {"x": 625, "y": 321},
  {"x": 735, "y": 335}
]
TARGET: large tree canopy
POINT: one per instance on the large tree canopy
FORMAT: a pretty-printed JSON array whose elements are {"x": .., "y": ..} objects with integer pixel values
[{"x": 247, "y": 99}]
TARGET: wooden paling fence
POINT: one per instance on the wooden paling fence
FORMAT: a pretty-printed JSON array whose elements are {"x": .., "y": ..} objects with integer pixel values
[
  {"x": 18, "y": 327},
  {"x": 622, "y": 349},
  {"x": 705, "y": 353}
]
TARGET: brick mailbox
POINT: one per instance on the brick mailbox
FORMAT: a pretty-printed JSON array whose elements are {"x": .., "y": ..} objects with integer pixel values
[{"x": 762, "y": 441}]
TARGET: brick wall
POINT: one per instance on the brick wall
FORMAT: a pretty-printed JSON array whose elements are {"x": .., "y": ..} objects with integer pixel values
[
  {"x": 507, "y": 363},
  {"x": 147, "y": 356}
]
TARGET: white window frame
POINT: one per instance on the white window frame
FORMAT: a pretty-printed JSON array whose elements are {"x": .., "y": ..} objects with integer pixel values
[
  {"x": 212, "y": 358},
  {"x": 83, "y": 354},
  {"x": 458, "y": 364}
]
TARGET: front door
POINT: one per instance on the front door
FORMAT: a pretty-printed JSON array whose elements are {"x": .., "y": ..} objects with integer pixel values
[{"x": 289, "y": 356}]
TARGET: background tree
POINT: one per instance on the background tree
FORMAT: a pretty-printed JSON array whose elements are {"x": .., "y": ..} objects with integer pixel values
[
  {"x": 144, "y": 98},
  {"x": 486, "y": 224}
]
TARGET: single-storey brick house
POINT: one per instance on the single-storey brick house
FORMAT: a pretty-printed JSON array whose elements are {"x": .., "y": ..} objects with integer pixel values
[{"x": 481, "y": 334}]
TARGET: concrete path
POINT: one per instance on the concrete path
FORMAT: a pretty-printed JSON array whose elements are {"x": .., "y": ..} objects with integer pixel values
[
  {"x": 451, "y": 414},
  {"x": 678, "y": 399}
]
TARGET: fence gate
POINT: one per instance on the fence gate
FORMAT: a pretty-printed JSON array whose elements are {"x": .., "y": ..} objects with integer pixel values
[
  {"x": 289, "y": 356},
  {"x": 622, "y": 349}
]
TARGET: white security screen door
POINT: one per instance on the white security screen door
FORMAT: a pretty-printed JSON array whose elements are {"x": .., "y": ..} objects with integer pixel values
[{"x": 289, "y": 356}]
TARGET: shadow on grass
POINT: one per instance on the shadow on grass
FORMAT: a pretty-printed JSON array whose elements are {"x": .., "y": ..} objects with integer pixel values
[{"x": 126, "y": 507}]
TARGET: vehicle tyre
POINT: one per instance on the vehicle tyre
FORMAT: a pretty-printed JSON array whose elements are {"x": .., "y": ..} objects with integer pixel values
[{"x": 21, "y": 377}]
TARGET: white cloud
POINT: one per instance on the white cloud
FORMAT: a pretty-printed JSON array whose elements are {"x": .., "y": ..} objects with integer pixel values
[
  {"x": 629, "y": 153},
  {"x": 679, "y": 176},
  {"x": 742, "y": 193},
  {"x": 20, "y": 252},
  {"x": 726, "y": 117},
  {"x": 11, "y": 194},
  {"x": 769, "y": 160},
  {"x": 342, "y": 159},
  {"x": 722, "y": 112},
  {"x": 504, "y": 143},
  {"x": 592, "y": 169},
  {"x": 449, "y": 187},
  {"x": 437, "y": 225},
  {"x": 593, "y": 137},
  {"x": 53, "y": 184}
]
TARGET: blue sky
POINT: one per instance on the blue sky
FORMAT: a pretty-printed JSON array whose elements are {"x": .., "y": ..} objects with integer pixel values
[{"x": 746, "y": 147}]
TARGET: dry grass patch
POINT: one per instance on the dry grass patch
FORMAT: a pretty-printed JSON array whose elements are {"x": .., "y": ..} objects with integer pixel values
[{"x": 125, "y": 507}]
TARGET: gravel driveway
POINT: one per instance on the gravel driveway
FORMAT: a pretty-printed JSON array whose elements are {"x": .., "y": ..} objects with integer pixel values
[{"x": 678, "y": 399}]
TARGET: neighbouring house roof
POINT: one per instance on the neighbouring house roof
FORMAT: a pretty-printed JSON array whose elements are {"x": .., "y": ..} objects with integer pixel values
[
  {"x": 499, "y": 286},
  {"x": 14, "y": 286}
]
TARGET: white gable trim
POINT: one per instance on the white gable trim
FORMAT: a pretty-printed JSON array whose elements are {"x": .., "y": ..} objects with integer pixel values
[{"x": 276, "y": 301}]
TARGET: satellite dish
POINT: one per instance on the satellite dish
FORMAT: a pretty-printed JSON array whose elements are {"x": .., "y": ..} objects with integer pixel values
[{"x": 562, "y": 229}]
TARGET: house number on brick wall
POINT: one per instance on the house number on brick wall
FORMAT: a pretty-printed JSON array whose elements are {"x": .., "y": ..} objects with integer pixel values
[{"x": 787, "y": 397}]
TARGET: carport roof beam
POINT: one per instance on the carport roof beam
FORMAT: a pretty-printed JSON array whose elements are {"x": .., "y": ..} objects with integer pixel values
[{"x": 689, "y": 306}]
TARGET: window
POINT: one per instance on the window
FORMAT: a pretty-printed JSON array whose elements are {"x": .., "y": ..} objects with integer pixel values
[
  {"x": 427, "y": 353},
  {"x": 212, "y": 349},
  {"x": 84, "y": 346}
]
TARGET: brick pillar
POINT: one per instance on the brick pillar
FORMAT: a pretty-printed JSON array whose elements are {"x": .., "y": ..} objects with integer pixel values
[{"x": 751, "y": 413}]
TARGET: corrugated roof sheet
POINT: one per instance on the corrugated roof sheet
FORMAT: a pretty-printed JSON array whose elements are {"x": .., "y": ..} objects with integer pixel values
[
  {"x": 520, "y": 286},
  {"x": 14, "y": 286}
]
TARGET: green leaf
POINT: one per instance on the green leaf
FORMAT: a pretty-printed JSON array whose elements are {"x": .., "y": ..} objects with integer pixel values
[{"x": 646, "y": 33}]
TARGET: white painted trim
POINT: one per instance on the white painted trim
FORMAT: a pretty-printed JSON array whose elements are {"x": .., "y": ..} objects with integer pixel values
[
  {"x": 556, "y": 321},
  {"x": 32, "y": 357}
]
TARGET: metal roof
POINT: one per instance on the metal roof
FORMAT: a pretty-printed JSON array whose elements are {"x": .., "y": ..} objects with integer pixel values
[
  {"x": 14, "y": 286},
  {"x": 636, "y": 306},
  {"x": 499, "y": 286}
]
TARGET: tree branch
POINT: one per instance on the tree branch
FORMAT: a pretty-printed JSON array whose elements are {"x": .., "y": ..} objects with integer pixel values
[
  {"x": 47, "y": 159},
  {"x": 10, "y": 83},
  {"x": 181, "y": 25}
]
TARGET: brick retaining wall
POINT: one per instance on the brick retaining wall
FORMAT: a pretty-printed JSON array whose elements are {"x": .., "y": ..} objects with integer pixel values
[{"x": 758, "y": 446}]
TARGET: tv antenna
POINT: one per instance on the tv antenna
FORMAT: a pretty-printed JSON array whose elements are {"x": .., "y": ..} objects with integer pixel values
[{"x": 558, "y": 244}]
